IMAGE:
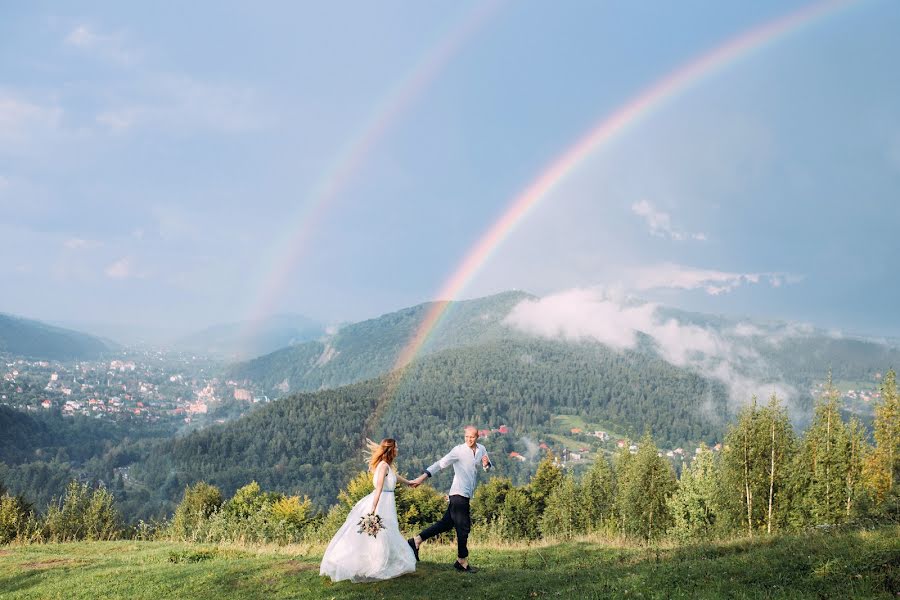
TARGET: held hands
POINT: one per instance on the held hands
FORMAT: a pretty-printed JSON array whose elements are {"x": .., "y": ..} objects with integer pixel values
[{"x": 485, "y": 461}]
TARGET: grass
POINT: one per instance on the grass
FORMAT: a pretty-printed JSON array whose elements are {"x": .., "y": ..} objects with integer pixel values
[{"x": 821, "y": 565}]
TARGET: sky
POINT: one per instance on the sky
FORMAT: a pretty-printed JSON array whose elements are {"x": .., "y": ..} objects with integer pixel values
[{"x": 166, "y": 167}]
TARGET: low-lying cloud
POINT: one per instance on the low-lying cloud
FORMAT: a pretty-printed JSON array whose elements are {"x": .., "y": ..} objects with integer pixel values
[{"x": 611, "y": 319}]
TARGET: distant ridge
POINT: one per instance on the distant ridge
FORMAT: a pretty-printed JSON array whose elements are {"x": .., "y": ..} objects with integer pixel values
[
  {"x": 243, "y": 340},
  {"x": 368, "y": 349},
  {"x": 35, "y": 339}
]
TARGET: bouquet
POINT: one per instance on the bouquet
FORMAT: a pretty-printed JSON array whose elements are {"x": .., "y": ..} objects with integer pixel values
[{"x": 370, "y": 524}]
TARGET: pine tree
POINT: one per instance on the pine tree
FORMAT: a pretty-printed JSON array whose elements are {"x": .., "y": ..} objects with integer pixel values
[
  {"x": 647, "y": 484},
  {"x": 822, "y": 465},
  {"x": 548, "y": 476},
  {"x": 693, "y": 506},
  {"x": 780, "y": 448},
  {"x": 745, "y": 484},
  {"x": 855, "y": 450},
  {"x": 882, "y": 465},
  {"x": 597, "y": 496},
  {"x": 562, "y": 514}
]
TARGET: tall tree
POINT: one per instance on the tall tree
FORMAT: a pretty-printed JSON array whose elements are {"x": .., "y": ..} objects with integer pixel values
[
  {"x": 744, "y": 468},
  {"x": 779, "y": 439},
  {"x": 645, "y": 491},
  {"x": 823, "y": 465},
  {"x": 694, "y": 505},
  {"x": 597, "y": 495},
  {"x": 882, "y": 465},
  {"x": 548, "y": 476}
]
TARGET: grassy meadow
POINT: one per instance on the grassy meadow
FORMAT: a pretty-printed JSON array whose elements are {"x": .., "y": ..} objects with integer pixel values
[{"x": 820, "y": 565}]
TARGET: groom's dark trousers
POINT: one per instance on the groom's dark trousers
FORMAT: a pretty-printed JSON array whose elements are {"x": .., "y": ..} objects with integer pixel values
[{"x": 457, "y": 516}]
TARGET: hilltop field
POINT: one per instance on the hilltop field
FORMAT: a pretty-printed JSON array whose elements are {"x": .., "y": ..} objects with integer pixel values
[{"x": 820, "y": 565}]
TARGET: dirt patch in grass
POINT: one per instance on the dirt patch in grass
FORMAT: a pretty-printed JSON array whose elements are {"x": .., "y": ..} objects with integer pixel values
[
  {"x": 295, "y": 566},
  {"x": 49, "y": 564}
]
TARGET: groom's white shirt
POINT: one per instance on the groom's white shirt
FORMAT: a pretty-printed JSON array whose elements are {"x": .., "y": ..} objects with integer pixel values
[{"x": 465, "y": 468}]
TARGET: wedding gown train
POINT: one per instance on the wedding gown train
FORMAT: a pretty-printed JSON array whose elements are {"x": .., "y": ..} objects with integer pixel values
[{"x": 360, "y": 557}]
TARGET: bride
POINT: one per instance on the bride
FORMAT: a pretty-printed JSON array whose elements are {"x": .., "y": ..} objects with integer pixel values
[{"x": 358, "y": 556}]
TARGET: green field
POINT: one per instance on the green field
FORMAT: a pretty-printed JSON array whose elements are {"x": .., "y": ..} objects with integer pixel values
[{"x": 821, "y": 565}]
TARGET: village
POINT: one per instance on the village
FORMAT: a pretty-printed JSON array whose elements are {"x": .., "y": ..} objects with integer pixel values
[
  {"x": 591, "y": 444},
  {"x": 147, "y": 386}
]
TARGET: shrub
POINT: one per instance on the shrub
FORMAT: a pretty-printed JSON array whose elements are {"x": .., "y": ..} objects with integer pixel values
[
  {"x": 15, "y": 517},
  {"x": 200, "y": 501},
  {"x": 82, "y": 514}
]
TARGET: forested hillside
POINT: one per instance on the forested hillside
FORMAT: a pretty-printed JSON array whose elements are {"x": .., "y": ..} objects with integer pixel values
[
  {"x": 41, "y": 452},
  {"x": 370, "y": 348},
  {"x": 33, "y": 339},
  {"x": 311, "y": 442}
]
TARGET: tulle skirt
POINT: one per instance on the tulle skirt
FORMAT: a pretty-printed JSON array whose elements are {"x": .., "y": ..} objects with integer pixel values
[{"x": 360, "y": 557}]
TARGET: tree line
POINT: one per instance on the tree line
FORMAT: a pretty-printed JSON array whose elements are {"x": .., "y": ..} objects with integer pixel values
[{"x": 767, "y": 479}]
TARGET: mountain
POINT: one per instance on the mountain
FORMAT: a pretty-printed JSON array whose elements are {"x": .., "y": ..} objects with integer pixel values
[
  {"x": 252, "y": 338},
  {"x": 364, "y": 350},
  {"x": 311, "y": 442},
  {"x": 750, "y": 356},
  {"x": 37, "y": 340}
]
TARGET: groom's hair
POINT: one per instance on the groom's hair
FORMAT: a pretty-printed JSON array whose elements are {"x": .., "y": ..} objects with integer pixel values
[{"x": 472, "y": 427}]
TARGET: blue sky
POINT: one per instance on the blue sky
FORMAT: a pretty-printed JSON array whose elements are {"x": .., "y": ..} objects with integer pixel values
[{"x": 153, "y": 159}]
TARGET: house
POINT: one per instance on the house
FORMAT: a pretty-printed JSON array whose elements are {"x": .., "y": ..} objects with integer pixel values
[
  {"x": 602, "y": 435},
  {"x": 544, "y": 446},
  {"x": 574, "y": 456},
  {"x": 46, "y": 404},
  {"x": 576, "y": 430},
  {"x": 517, "y": 456},
  {"x": 717, "y": 447},
  {"x": 620, "y": 444},
  {"x": 633, "y": 448},
  {"x": 483, "y": 433},
  {"x": 503, "y": 429},
  {"x": 679, "y": 451}
]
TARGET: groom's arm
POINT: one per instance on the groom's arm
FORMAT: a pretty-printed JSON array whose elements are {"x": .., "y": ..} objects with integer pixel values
[{"x": 443, "y": 463}]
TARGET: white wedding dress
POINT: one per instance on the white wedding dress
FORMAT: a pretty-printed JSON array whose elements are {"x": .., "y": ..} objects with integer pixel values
[{"x": 360, "y": 557}]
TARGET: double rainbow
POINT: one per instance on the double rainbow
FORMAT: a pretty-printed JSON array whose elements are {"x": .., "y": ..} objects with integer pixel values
[
  {"x": 288, "y": 252},
  {"x": 602, "y": 134}
]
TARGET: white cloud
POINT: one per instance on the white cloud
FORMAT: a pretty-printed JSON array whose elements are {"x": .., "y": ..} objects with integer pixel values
[
  {"x": 22, "y": 121},
  {"x": 660, "y": 223},
  {"x": 608, "y": 318},
  {"x": 121, "y": 269},
  {"x": 109, "y": 46},
  {"x": 185, "y": 104},
  {"x": 713, "y": 282},
  {"x": 80, "y": 244}
]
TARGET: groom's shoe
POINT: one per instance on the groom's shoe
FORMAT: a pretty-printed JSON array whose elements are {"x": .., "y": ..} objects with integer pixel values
[
  {"x": 412, "y": 544},
  {"x": 466, "y": 569}
]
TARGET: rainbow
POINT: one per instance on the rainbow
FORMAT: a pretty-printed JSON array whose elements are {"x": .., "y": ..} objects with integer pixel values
[
  {"x": 285, "y": 254},
  {"x": 602, "y": 134}
]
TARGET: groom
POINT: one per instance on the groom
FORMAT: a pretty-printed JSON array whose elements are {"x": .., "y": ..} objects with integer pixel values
[{"x": 465, "y": 459}]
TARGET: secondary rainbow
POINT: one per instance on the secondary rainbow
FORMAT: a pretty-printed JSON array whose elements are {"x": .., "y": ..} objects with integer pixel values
[
  {"x": 602, "y": 134},
  {"x": 285, "y": 255}
]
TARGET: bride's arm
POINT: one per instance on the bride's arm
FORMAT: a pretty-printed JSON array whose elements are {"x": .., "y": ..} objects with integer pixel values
[{"x": 379, "y": 485}]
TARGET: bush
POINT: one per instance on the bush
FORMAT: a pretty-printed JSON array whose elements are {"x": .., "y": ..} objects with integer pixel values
[
  {"x": 16, "y": 516},
  {"x": 199, "y": 503},
  {"x": 82, "y": 514}
]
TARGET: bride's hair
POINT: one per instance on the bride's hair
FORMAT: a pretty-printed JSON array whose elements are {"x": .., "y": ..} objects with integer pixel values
[{"x": 385, "y": 451}]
